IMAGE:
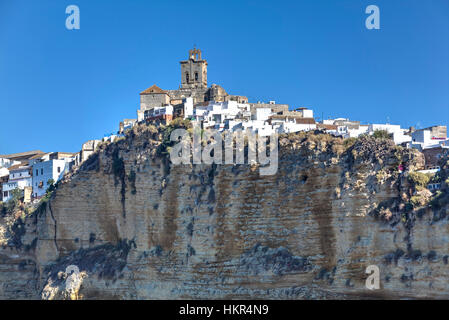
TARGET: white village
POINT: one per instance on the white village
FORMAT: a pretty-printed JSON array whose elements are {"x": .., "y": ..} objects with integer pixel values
[{"x": 33, "y": 172}]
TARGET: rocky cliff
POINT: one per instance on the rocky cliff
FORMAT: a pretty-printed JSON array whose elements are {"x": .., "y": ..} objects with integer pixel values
[{"x": 138, "y": 227}]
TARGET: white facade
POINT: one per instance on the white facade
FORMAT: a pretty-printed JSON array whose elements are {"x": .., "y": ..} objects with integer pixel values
[
  {"x": 88, "y": 148},
  {"x": 19, "y": 178},
  {"x": 263, "y": 114},
  {"x": 46, "y": 170},
  {"x": 217, "y": 114},
  {"x": 188, "y": 108},
  {"x": 260, "y": 127},
  {"x": 4, "y": 172},
  {"x": 422, "y": 139},
  {"x": 307, "y": 113},
  {"x": 159, "y": 111},
  {"x": 291, "y": 127},
  {"x": 6, "y": 163}
]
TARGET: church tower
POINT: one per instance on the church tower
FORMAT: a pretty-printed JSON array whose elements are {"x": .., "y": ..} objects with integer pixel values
[{"x": 194, "y": 71}]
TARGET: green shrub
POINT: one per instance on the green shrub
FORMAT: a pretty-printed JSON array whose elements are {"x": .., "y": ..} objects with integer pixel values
[
  {"x": 118, "y": 139},
  {"x": 381, "y": 134},
  {"x": 417, "y": 201},
  {"x": 152, "y": 128},
  {"x": 440, "y": 200},
  {"x": 419, "y": 179},
  {"x": 181, "y": 123},
  {"x": 348, "y": 143}
]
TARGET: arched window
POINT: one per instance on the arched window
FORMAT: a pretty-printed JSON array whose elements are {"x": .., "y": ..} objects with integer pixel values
[
  {"x": 196, "y": 76},
  {"x": 187, "y": 77}
]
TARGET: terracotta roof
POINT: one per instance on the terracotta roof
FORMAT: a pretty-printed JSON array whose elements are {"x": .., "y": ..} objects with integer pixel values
[{"x": 153, "y": 89}]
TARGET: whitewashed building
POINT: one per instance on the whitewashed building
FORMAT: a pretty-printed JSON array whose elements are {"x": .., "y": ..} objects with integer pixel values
[
  {"x": 431, "y": 137},
  {"x": 20, "y": 177},
  {"x": 49, "y": 168},
  {"x": 6, "y": 163},
  {"x": 216, "y": 114}
]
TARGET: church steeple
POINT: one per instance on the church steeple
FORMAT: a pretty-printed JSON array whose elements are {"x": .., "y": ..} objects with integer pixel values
[{"x": 194, "y": 71}]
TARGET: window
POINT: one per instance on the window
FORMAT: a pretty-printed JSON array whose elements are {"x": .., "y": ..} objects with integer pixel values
[
  {"x": 37, "y": 172},
  {"x": 5, "y": 194},
  {"x": 196, "y": 76},
  {"x": 42, "y": 171},
  {"x": 187, "y": 77},
  {"x": 59, "y": 169}
]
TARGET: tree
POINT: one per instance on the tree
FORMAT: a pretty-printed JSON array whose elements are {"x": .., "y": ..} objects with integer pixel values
[
  {"x": 51, "y": 185},
  {"x": 16, "y": 195}
]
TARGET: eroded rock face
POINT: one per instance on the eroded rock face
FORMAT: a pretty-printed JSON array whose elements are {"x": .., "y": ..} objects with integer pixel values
[{"x": 140, "y": 228}]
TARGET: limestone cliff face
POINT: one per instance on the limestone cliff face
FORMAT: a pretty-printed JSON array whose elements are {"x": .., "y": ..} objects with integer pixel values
[{"x": 138, "y": 227}]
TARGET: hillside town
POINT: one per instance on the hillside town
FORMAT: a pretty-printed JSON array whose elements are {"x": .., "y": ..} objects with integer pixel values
[{"x": 33, "y": 172}]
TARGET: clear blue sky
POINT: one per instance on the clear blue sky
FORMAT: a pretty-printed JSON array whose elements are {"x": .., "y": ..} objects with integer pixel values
[{"x": 59, "y": 88}]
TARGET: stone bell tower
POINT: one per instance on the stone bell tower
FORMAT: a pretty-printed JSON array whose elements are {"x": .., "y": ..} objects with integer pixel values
[{"x": 194, "y": 71}]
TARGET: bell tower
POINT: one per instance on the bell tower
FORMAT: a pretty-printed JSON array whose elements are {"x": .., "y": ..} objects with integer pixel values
[{"x": 194, "y": 71}]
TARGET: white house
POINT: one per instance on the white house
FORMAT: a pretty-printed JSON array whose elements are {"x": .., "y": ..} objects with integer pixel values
[
  {"x": 216, "y": 114},
  {"x": 263, "y": 114},
  {"x": 160, "y": 113},
  {"x": 262, "y": 128},
  {"x": 88, "y": 148},
  {"x": 188, "y": 108},
  {"x": 48, "y": 170},
  {"x": 431, "y": 137},
  {"x": 4, "y": 172},
  {"x": 286, "y": 124},
  {"x": 19, "y": 177},
  {"x": 51, "y": 165},
  {"x": 6, "y": 163}
]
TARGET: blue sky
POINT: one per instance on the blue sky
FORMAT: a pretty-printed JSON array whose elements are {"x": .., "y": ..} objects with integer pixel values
[{"x": 60, "y": 88}]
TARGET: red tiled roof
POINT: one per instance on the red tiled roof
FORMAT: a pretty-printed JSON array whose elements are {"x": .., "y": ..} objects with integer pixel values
[{"x": 153, "y": 89}]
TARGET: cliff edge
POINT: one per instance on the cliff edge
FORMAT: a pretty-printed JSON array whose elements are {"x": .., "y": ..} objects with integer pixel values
[{"x": 138, "y": 227}]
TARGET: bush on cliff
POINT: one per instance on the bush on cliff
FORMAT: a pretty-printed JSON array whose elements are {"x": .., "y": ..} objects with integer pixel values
[
  {"x": 419, "y": 179},
  {"x": 381, "y": 134},
  {"x": 177, "y": 123},
  {"x": 349, "y": 142}
]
